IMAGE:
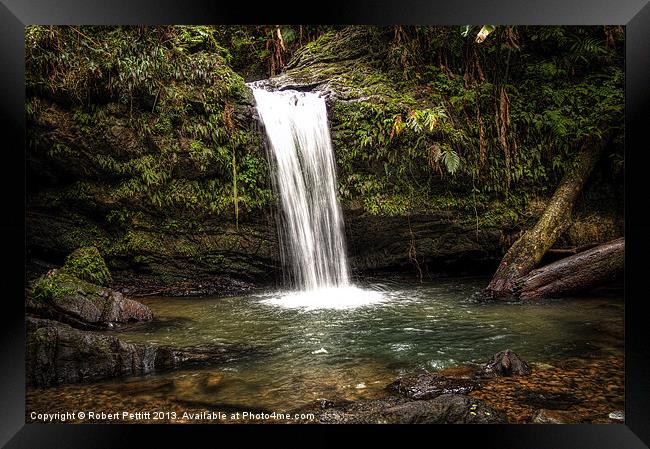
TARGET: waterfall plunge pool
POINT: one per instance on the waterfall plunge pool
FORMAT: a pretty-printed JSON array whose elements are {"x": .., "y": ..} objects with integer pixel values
[
  {"x": 338, "y": 298},
  {"x": 304, "y": 354}
]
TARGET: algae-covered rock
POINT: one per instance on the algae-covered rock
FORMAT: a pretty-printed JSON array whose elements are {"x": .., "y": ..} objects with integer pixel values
[
  {"x": 144, "y": 169},
  {"x": 342, "y": 65},
  {"x": 87, "y": 264},
  {"x": 86, "y": 302}
]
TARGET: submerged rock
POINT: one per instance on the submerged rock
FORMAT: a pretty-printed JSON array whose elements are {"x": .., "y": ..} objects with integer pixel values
[
  {"x": 59, "y": 354},
  {"x": 505, "y": 363},
  {"x": 428, "y": 386},
  {"x": 547, "y": 399},
  {"x": 170, "y": 358},
  {"x": 618, "y": 416},
  {"x": 443, "y": 409},
  {"x": 544, "y": 416}
]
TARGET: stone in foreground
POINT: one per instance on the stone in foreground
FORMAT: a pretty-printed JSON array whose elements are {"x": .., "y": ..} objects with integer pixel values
[
  {"x": 505, "y": 363},
  {"x": 429, "y": 386},
  {"x": 444, "y": 409},
  {"x": 60, "y": 354}
]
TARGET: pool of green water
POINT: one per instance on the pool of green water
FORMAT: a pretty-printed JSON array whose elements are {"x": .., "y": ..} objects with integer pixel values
[{"x": 299, "y": 355}]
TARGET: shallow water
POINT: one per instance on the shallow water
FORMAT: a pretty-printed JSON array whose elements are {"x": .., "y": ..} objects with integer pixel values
[{"x": 299, "y": 355}]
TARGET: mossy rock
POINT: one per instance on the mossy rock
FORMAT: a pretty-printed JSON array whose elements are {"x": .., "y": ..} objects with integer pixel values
[
  {"x": 58, "y": 284},
  {"x": 84, "y": 301},
  {"x": 87, "y": 264}
]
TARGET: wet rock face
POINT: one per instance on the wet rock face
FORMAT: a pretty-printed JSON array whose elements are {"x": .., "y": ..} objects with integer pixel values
[
  {"x": 446, "y": 242},
  {"x": 443, "y": 409},
  {"x": 59, "y": 354},
  {"x": 428, "y": 386},
  {"x": 120, "y": 309},
  {"x": 505, "y": 363}
]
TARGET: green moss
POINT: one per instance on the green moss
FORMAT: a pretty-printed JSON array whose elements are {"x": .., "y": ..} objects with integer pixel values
[
  {"x": 60, "y": 283},
  {"x": 87, "y": 264},
  {"x": 49, "y": 288}
]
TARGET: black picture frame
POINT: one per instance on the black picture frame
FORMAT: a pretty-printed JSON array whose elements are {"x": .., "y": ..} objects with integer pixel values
[{"x": 15, "y": 14}]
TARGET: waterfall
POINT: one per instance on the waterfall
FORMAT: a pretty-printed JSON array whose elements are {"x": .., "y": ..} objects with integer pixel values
[{"x": 301, "y": 157}]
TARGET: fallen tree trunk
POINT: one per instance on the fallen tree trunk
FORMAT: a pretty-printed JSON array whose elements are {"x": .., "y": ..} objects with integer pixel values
[
  {"x": 576, "y": 250},
  {"x": 529, "y": 249},
  {"x": 574, "y": 274}
]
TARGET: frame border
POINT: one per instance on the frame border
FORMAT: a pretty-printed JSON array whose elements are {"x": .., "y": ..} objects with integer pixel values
[{"x": 634, "y": 14}]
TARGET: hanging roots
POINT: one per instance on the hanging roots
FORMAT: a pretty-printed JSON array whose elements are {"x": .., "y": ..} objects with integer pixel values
[
  {"x": 413, "y": 256},
  {"x": 502, "y": 121},
  {"x": 481, "y": 129},
  {"x": 275, "y": 46}
]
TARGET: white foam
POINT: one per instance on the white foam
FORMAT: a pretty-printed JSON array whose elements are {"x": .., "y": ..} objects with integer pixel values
[{"x": 341, "y": 298}]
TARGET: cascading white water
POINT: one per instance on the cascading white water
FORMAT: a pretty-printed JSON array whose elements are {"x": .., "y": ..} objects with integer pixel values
[{"x": 311, "y": 225}]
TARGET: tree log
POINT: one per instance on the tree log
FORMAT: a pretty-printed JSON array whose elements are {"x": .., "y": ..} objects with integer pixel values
[
  {"x": 529, "y": 249},
  {"x": 574, "y": 274},
  {"x": 575, "y": 250}
]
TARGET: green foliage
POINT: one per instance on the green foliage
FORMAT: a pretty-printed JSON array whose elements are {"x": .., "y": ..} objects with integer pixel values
[
  {"x": 148, "y": 118},
  {"x": 183, "y": 110},
  {"x": 86, "y": 263},
  {"x": 253, "y": 50},
  {"x": 505, "y": 115},
  {"x": 451, "y": 160}
]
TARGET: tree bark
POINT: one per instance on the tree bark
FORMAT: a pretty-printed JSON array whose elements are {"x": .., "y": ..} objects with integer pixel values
[
  {"x": 529, "y": 249},
  {"x": 576, "y": 273}
]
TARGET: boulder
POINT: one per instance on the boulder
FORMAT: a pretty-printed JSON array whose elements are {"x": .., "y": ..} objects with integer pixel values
[
  {"x": 428, "y": 386},
  {"x": 59, "y": 354},
  {"x": 505, "y": 363},
  {"x": 82, "y": 301}
]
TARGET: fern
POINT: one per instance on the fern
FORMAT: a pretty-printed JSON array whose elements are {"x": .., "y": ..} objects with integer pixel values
[{"x": 451, "y": 160}]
